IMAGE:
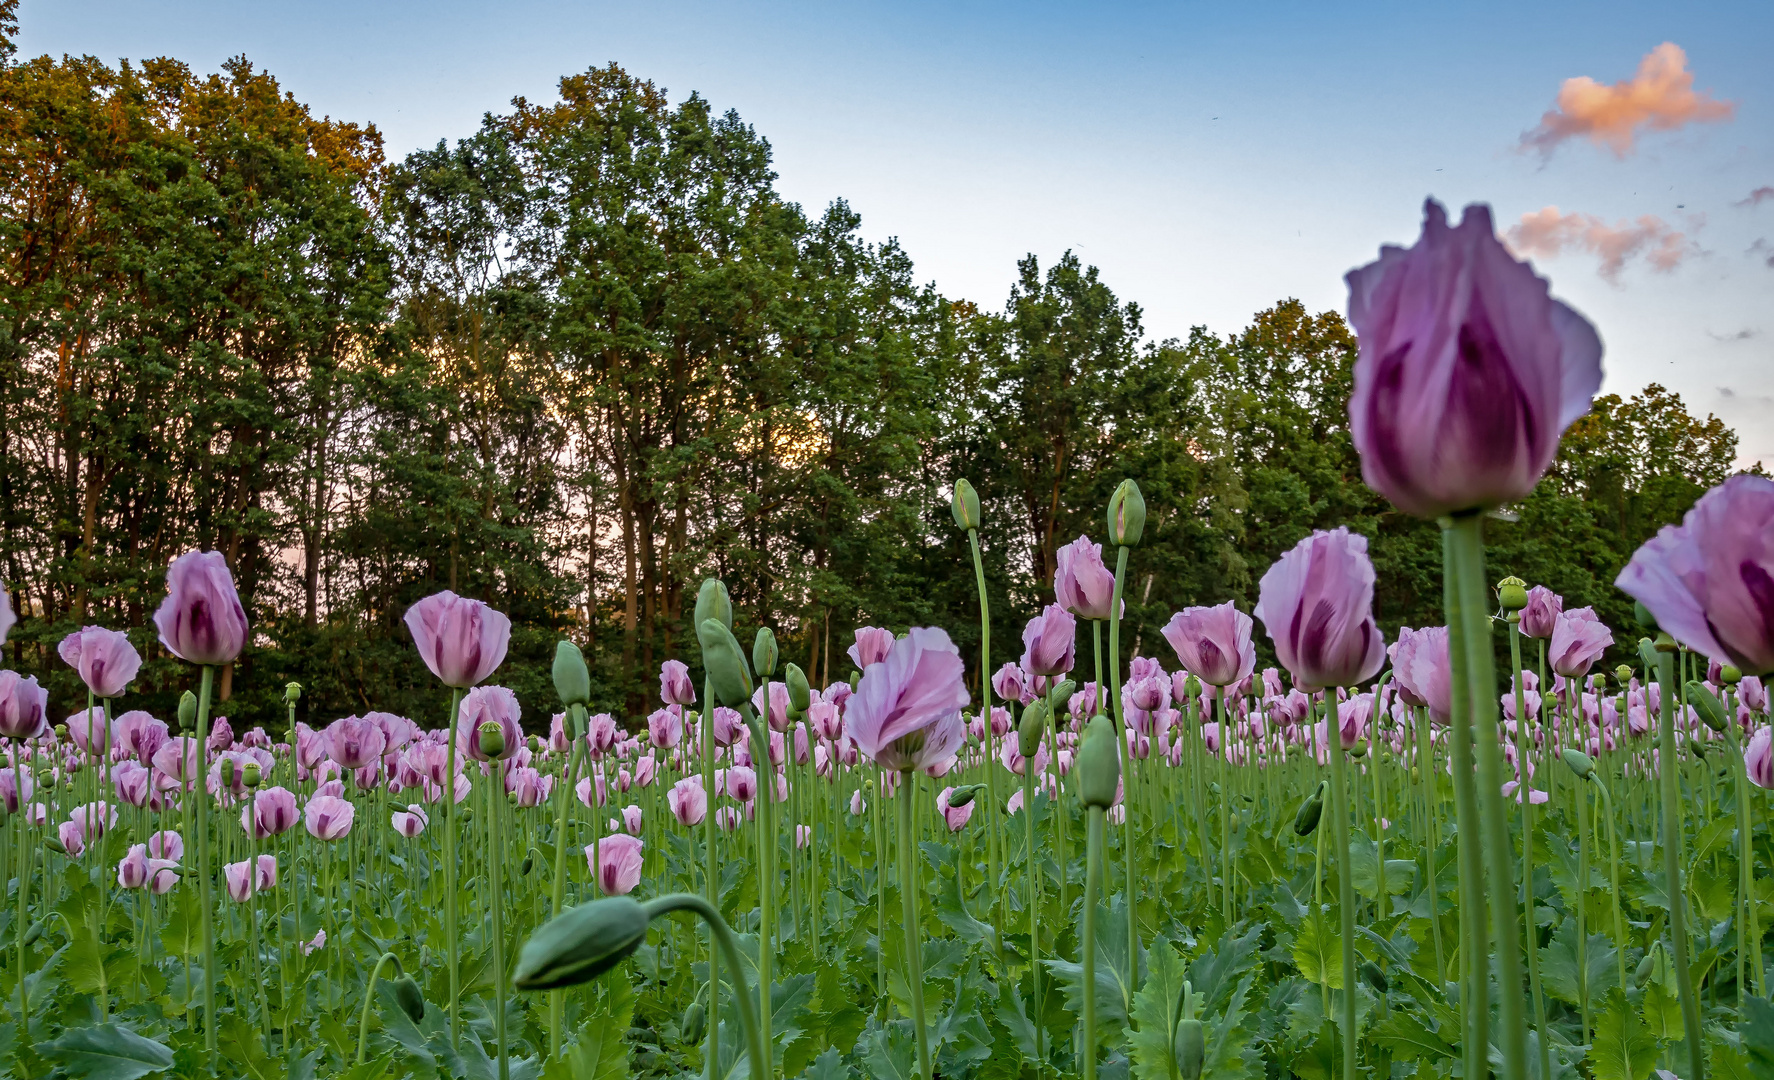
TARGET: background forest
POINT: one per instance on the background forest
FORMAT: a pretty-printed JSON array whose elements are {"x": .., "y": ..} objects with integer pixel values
[{"x": 579, "y": 359}]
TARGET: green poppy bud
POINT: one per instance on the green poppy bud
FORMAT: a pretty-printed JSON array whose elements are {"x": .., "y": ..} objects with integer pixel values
[
  {"x": 529, "y": 863},
  {"x": 1375, "y": 978},
  {"x": 1707, "y": 704},
  {"x": 227, "y": 769},
  {"x": 965, "y": 794},
  {"x": 1030, "y": 727},
  {"x": 728, "y": 675},
  {"x": 800, "y": 695},
  {"x": 1697, "y": 748},
  {"x": 1064, "y": 690},
  {"x": 61, "y": 733},
  {"x": 1730, "y": 675},
  {"x": 55, "y": 845},
  {"x": 763, "y": 653},
  {"x": 1512, "y": 594},
  {"x": 35, "y": 932},
  {"x": 1190, "y": 1048},
  {"x": 1647, "y": 653},
  {"x": 492, "y": 740},
  {"x": 1307, "y": 818},
  {"x": 1191, "y": 688},
  {"x": 535, "y": 745},
  {"x": 249, "y": 775},
  {"x": 187, "y": 711},
  {"x": 712, "y": 602},
  {"x": 292, "y": 693},
  {"x": 1580, "y": 763},
  {"x": 694, "y": 1024},
  {"x": 1099, "y": 765},
  {"x": 572, "y": 679},
  {"x": 408, "y": 996},
  {"x": 1359, "y": 750},
  {"x": 1127, "y": 514},
  {"x": 965, "y": 505},
  {"x": 582, "y": 943}
]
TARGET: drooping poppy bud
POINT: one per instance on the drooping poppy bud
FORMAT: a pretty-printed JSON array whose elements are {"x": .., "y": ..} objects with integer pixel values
[
  {"x": 1127, "y": 515},
  {"x": 712, "y": 602},
  {"x": 1306, "y": 820},
  {"x": 728, "y": 675},
  {"x": 1707, "y": 704},
  {"x": 582, "y": 943},
  {"x": 1030, "y": 727},
  {"x": 410, "y": 999},
  {"x": 800, "y": 695},
  {"x": 965, "y": 505},
  {"x": 1580, "y": 763},
  {"x": 572, "y": 679},
  {"x": 1190, "y": 1048},
  {"x": 694, "y": 1024}
]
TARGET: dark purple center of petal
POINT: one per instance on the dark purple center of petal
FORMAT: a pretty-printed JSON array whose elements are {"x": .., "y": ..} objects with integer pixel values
[
  {"x": 1760, "y": 587},
  {"x": 1486, "y": 398}
]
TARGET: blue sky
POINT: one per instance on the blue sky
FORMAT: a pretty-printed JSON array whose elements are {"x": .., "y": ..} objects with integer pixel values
[{"x": 1209, "y": 158}]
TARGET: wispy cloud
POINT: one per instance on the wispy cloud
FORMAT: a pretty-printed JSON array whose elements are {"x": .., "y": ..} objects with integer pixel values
[
  {"x": 1757, "y": 197},
  {"x": 1549, "y": 233},
  {"x": 1742, "y": 335},
  {"x": 1660, "y": 97},
  {"x": 1764, "y": 251}
]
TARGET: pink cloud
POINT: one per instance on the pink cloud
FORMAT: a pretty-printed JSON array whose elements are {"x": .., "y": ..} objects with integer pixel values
[
  {"x": 1548, "y": 233},
  {"x": 1758, "y": 196},
  {"x": 1660, "y": 97}
]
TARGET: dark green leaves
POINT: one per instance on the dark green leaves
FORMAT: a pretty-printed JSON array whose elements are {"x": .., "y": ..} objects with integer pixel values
[{"x": 106, "y": 1052}]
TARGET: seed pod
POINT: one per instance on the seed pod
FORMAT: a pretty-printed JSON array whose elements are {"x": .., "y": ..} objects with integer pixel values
[
  {"x": 728, "y": 675},
  {"x": 1359, "y": 750},
  {"x": 572, "y": 678},
  {"x": 1512, "y": 594},
  {"x": 1099, "y": 765},
  {"x": 1190, "y": 1048},
  {"x": 712, "y": 602},
  {"x": 187, "y": 711},
  {"x": 1306, "y": 820},
  {"x": 1127, "y": 515},
  {"x": 800, "y": 695},
  {"x": 1623, "y": 674},
  {"x": 764, "y": 653},
  {"x": 1030, "y": 727},
  {"x": 694, "y": 1024},
  {"x": 408, "y": 996},
  {"x": 582, "y": 943},
  {"x": 1730, "y": 675},
  {"x": 964, "y": 505},
  {"x": 1707, "y": 704},
  {"x": 492, "y": 740},
  {"x": 292, "y": 693},
  {"x": 1580, "y": 763},
  {"x": 250, "y": 774}
]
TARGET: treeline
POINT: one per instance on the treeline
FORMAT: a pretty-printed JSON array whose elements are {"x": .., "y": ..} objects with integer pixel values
[{"x": 585, "y": 356}]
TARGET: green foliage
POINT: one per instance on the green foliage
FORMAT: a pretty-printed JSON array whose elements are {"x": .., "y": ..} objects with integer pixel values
[{"x": 106, "y": 1052}]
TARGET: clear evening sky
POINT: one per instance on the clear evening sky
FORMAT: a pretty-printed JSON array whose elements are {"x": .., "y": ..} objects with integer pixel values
[{"x": 1210, "y": 159}]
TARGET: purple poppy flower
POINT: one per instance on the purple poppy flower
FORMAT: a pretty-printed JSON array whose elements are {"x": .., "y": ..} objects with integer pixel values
[
  {"x": 906, "y": 713},
  {"x": 105, "y": 659},
  {"x": 483, "y": 704},
  {"x": 201, "y": 620},
  {"x": 1710, "y": 580},
  {"x": 1048, "y": 641},
  {"x": 462, "y": 641},
  {"x": 355, "y": 743},
  {"x": 1468, "y": 370},
  {"x": 872, "y": 646},
  {"x": 1578, "y": 641},
  {"x": 675, "y": 686},
  {"x": 1081, "y": 583},
  {"x": 23, "y": 705},
  {"x": 1213, "y": 643},
  {"x": 1423, "y": 671},
  {"x": 1317, "y": 603},
  {"x": 1540, "y": 617}
]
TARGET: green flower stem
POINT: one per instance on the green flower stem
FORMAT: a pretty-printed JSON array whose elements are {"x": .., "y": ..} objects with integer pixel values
[
  {"x": 1471, "y": 651},
  {"x": 722, "y": 935},
  {"x": 880, "y": 893},
  {"x": 766, "y": 875},
  {"x": 1527, "y": 856},
  {"x": 1129, "y": 775},
  {"x": 26, "y": 850},
  {"x": 557, "y": 892},
  {"x": 369, "y": 995},
  {"x": 496, "y": 868},
  {"x": 1033, "y": 873},
  {"x": 1669, "y": 787},
  {"x": 1345, "y": 876},
  {"x": 448, "y": 793},
  {"x": 1583, "y": 830},
  {"x": 1748, "y": 925},
  {"x": 1613, "y": 874},
  {"x": 908, "y": 902},
  {"x": 200, "y": 803},
  {"x": 711, "y": 878},
  {"x": 1219, "y": 702},
  {"x": 994, "y": 809},
  {"x": 1475, "y": 1007},
  {"x": 1093, "y": 862}
]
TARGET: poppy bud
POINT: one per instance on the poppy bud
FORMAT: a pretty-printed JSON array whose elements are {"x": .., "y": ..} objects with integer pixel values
[
  {"x": 572, "y": 679},
  {"x": 964, "y": 795},
  {"x": 1730, "y": 675},
  {"x": 1580, "y": 763},
  {"x": 529, "y": 863},
  {"x": 1190, "y": 1048},
  {"x": 694, "y": 1024},
  {"x": 55, "y": 845},
  {"x": 965, "y": 505},
  {"x": 1376, "y": 978},
  {"x": 408, "y": 996},
  {"x": 728, "y": 676},
  {"x": 227, "y": 770},
  {"x": 799, "y": 694},
  {"x": 1707, "y": 704},
  {"x": 1512, "y": 594},
  {"x": 1359, "y": 750},
  {"x": 1127, "y": 515},
  {"x": 763, "y": 653},
  {"x": 582, "y": 943},
  {"x": 492, "y": 740},
  {"x": 187, "y": 711},
  {"x": 1647, "y": 653},
  {"x": 1697, "y": 748},
  {"x": 712, "y": 602},
  {"x": 1030, "y": 727},
  {"x": 35, "y": 932},
  {"x": 292, "y": 693},
  {"x": 1191, "y": 688},
  {"x": 1063, "y": 691},
  {"x": 1098, "y": 764},
  {"x": 249, "y": 775},
  {"x": 536, "y": 745},
  {"x": 1306, "y": 820},
  {"x": 61, "y": 733}
]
